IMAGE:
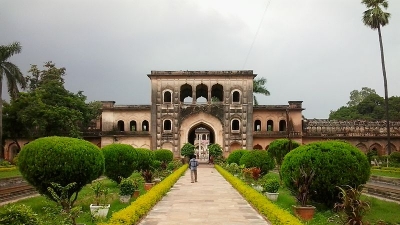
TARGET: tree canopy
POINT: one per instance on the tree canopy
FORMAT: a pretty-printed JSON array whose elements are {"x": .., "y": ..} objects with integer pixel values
[
  {"x": 371, "y": 107},
  {"x": 258, "y": 88},
  {"x": 47, "y": 108},
  {"x": 13, "y": 76}
]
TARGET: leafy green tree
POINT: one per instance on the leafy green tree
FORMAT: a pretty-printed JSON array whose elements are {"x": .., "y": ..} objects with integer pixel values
[
  {"x": 374, "y": 17},
  {"x": 61, "y": 160},
  {"x": 279, "y": 148},
  {"x": 47, "y": 108},
  {"x": 14, "y": 78},
  {"x": 258, "y": 88},
  {"x": 187, "y": 150},
  {"x": 215, "y": 150},
  {"x": 358, "y": 96}
]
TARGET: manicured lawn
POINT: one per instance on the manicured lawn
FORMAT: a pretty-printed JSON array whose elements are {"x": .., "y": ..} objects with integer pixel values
[
  {"x": 10, "y": 173},
  {"x": 385, "y": 173},
  {"x": 380, "y": 210},
  {"x": 85, "y": 198}
]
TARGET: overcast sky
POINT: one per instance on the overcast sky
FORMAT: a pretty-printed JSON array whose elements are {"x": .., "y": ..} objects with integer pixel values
[{"x": 316, "y": 51}]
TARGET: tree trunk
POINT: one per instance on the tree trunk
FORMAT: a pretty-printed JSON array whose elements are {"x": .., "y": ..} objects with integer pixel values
[{"x": 389, "y": 151}]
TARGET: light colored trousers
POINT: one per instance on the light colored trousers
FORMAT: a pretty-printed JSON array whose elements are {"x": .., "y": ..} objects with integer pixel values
[{"x": 193, "y": 175}]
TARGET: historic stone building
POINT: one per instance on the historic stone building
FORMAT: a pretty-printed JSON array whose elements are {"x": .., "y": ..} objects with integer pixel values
[{"x": 205, "y": 107}]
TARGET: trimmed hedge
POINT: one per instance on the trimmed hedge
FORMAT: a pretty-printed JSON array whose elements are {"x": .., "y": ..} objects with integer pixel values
[
  {"x": 142, "y": 205},
  {"x": 119, "y": 161},
  {"x": 144, "y": 159},
  {"x": 275, "y": 215},
  {"x": 163, "y": 155},
  {"x": 235, "y": 155},
  {"x": 257, "y": 158},
  {"x": 61, "y": 160},
  {"x": 280, "y": 147},
  {"x": 335, "y": 163}
]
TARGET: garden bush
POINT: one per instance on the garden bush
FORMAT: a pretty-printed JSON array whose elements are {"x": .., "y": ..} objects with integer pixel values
[
  {"x": 394, "y": 159},
  {"x": 187, "y": 150},
  {"x": 17, "y": 215},
  {"x": 215, "y": 150},
  {"x": 280, "y": 147},
  {"x": 163, "y": 155},
  {"x": 235, "y": 155},
  {"x": 144, "y": 159},
  {"x": 60, "y": 160},
  {"x": 335, "y": 163},
  {"x": 119, "y": 161},
  {"x": 257, "y": 158}
]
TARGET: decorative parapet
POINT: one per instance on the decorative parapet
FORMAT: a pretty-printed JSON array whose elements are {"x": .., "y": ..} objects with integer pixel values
[
  {"x": 292, "y": 134},
  {"x": 351, "y": 128}
]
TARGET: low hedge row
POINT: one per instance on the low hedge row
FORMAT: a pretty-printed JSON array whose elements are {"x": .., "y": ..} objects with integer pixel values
[
  {"x": 142, "y": 205},
  {"x": 386, "y": 168},
  {"x": 3, "y": 169},
  {"x": 275, "y": 215}
]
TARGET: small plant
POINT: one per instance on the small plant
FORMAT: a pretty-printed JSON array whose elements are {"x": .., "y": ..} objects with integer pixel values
[
  {"x": 302, "y": 184},
  {"x": 271, "y": 185},
  {"x": 255, "y": 173},
  {"x": 126, "y": 187},
  {"x": 137, "y": 182},
  {"x": 351, "y": 210},
  {"x": 148, "y": 176},
  {"x": 100, "y": 193},
  {"x": 18, "y": 214}
]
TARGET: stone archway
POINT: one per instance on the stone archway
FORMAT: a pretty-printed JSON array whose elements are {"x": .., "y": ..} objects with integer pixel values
[{"x": 200, "y": 120}]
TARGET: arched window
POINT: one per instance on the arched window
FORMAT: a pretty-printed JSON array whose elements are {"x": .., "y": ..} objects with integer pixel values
[
  {"x": 201, "y": 93},
  {"x": 167, "y": 126},
  {"x": 186, "y": 91},
  {"x": 235, "y": 125},
  {"x": 217, "y": 93},
  {"x": 270, "y": 125},
  {"x": 282, "y": 125},
  {"x": 120, "y": 125},
  {"x": 257, "y": 125},
  {"x": 235, "y": 97},
  {"x": 167, "y": 97},
  {"x": 145, "y": 125},
  {"x": 132, "y": 125}
]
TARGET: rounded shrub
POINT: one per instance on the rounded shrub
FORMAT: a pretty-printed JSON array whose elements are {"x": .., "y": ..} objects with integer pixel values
[
  {"x": 215, "y": 150},
  {"x": 335, "y": 163},
  {"x": 235, "y": 155},
  {"x": 280, "y": 147},
  {"x": 187, "y": 150},
  {"x": 17, "y": 215},
  {"x": 144, "y": 159},
  {"x": 394, "y": 159},
  {"x": 61, "y": 160},
  {"x": 119, "y": 161},
  {"x": 163, "y": 155},
  {"x": 258, "y": 158}
]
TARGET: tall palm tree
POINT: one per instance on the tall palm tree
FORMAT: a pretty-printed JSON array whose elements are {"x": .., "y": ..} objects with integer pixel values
[
  {"x": 374, "y": 17},
  {"x": 13, "y": 76},
  {"x": 258, "y": 87}
]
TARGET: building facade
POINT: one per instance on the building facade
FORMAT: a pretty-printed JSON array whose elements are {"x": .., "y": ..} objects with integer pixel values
[{"x": 206, "y": 107}]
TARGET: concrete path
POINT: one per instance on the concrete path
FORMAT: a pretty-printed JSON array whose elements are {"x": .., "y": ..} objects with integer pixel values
[{"x": 211, "y": 200}]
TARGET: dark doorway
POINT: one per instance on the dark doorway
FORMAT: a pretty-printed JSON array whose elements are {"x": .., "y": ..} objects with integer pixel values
[{"x": 191, "y": 135}]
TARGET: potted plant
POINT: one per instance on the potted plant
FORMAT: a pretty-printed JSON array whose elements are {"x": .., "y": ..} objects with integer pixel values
[
  {"x": 270, "y": 189},
  {"x": 126, "y": 189},
  {"x": 137, "y": 182},
  {"x": 148, "y": 178},
  {"x": 100, "y": 208},
  {"x": 303, "y": 193}
]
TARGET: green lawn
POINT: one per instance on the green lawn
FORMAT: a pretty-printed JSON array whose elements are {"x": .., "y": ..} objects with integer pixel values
[
  {"x": 380, "y": 210},
  {"x": 10, "y": 173},
  {"x": 85, "y": 198},
  {"x": 385, "y": 173}
]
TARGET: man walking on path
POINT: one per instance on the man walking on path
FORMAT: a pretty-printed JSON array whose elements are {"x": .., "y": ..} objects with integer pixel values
[{"x": 193, "y": 168}]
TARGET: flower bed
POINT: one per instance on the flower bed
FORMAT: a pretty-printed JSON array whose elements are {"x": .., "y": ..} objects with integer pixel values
[
  {"x": 139, "y": 208},
  {"x": 275, "y": 215}
]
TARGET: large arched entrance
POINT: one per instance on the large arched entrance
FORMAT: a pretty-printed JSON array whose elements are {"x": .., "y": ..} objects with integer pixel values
[
  {"x": 201, "y": 136},
  {"x": 204, "y": 128}
]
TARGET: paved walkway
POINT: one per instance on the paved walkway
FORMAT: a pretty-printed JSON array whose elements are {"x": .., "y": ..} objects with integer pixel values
[{"x": 212, "y": 200}]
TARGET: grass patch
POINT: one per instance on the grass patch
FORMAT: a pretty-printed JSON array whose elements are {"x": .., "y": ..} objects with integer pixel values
[
  {"x": 85, "y": 198},
  {"x": 10, "y": 173},
  {"x": 385, "y": 173}
]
